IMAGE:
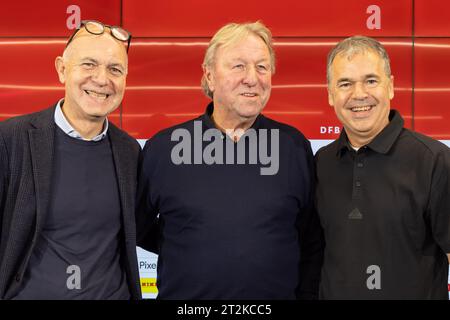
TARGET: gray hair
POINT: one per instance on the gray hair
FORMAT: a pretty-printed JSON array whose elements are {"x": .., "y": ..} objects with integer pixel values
[
  {"x": 358, "y": 44},
  {"x": 233, "y": 33}
]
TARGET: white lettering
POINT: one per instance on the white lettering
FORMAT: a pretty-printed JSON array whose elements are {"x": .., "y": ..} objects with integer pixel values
[
  {"x": 330, "y": 129},
  {"x": 373, "y": 21},
  {"x": 74, "y": 280},
  {"x": 205, "y": 311},
  {"x": 374, "y": 281},
  {"x": 74, "y": 20}
]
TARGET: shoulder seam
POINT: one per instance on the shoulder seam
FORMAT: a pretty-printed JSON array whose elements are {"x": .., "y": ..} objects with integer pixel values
[{"x": 417, "y": 138}]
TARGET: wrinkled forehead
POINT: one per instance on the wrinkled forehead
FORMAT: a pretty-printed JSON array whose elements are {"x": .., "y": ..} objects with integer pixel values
[
  {"x": 355, "y": 52},
  {"x": 359, "y": 61},
  {"x": 247, "y": 43}
]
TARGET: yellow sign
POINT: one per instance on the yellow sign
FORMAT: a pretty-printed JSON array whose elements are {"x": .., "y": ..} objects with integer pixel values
[{"x": 148, "y": 285}]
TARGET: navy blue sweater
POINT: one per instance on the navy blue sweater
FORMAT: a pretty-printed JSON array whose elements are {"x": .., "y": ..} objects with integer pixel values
[
  {"x": 82, "y": 228},
  {"x": 225, "y": 231}
]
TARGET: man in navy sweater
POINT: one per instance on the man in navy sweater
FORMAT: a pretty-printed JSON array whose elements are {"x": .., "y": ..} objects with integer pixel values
[
  {"x": 233, "y": 189},
  {"x": 67, "y": 182}
]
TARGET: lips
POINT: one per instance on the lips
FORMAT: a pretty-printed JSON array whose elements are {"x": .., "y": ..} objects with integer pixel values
[
  {"x": 361, "y": 108},
  {"x": 98, "y": 95},
  {"x": 249, "y": 94}
]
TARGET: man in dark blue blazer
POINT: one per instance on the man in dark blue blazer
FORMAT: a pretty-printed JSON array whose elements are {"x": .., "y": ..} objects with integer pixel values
[{"x": 68, "y": 182}]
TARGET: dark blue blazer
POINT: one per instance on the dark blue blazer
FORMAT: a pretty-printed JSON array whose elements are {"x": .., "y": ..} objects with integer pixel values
[{"x": 26, "y": 162}]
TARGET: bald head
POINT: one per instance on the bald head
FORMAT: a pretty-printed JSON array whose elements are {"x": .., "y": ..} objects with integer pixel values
[
  {"x": 93, "y": 69},
  {"x": 105, "y": 40}
]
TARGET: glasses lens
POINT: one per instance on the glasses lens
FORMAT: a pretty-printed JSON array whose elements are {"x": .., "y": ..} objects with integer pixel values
[
  {"x": 94, "y": 27},
  {"x": 120, "y": 33}
]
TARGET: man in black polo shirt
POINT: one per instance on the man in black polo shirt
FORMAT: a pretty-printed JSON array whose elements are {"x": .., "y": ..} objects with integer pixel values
[
  {"x": 233, "y": 188},
  {"x": 383, "y": 191}
]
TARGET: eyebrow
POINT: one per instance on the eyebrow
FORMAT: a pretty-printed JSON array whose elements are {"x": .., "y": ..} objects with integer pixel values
[
  {"x": 114, "y": 64},
  {"x": 367, "y": 76},
  {"x": 89, "y": 59},
  {"x": 267, "y": 61},
  {"x": 372, "y": 75},
  {"x": 343, "y": 80},
  {"x": 244, "y": 60}
]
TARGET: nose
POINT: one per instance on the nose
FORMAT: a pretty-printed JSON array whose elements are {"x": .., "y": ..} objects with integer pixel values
[
  {"x": 359, "y": 92},
  {"x": 250, "y": 77},
  {"x": 100, "y": 76}
]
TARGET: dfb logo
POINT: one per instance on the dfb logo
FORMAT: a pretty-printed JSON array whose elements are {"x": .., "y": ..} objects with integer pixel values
[
  {"x": 374, "y": 21},
  {"x": 324, "y": 130},
  {"x": 74, "y": 20}
]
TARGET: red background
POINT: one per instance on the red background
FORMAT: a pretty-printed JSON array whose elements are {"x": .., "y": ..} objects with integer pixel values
[{"x": 170, "y": 37}]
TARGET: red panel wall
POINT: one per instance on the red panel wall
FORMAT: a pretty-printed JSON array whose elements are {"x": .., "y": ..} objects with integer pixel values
[
  {"x": 28, "y": 82},
  {"x": 432, "y": 18},
  {"x": 286, "y": 18},
  {"x": 163, "y": 84},
  {"x": 170, "y": 38},
  {"x": 432, "y": 87},
  {"x": 299, "y": 95},
  {"x": 50, "y": 18}
]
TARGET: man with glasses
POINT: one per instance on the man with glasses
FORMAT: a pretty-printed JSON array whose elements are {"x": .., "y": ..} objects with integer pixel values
[{"x": 67, "y": 182}]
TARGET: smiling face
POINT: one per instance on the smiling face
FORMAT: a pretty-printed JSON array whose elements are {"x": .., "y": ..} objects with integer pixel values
[
  {"x": 240, "y": 80},
  {"x": 93, "y": 70},
  {"x": 360, "y": 92}
]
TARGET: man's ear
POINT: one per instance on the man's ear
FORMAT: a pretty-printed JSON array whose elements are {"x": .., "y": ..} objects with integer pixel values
[
  {"x": 330, "y": 97},
  {"x": 60, "y": 69},
  {"x": 391, "y": 88},
  {"x": 209, "y": 76}
]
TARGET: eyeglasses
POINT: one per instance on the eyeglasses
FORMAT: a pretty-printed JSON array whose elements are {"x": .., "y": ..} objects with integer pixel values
[{"x": 97, "y": 28}]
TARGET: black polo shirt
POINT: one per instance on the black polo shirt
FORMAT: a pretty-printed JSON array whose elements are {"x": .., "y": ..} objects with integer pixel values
[
  {"x": 228, "y": 232},
  {"x": 385, "y": 210}
]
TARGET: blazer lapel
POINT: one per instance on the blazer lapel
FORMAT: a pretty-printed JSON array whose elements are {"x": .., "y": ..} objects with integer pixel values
[
  {"x": 123, "y": 172},
  {"x": 42, "y": 150}
]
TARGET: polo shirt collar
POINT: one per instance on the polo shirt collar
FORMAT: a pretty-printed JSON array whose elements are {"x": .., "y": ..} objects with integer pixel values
[
  {"x": 383, "y": 141},
  {"x": 206, "y": 117}
]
